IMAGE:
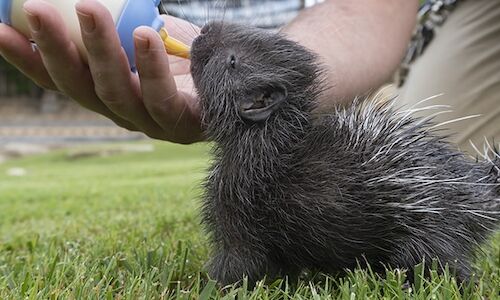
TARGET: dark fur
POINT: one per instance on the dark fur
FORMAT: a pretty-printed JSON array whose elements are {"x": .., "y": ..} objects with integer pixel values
[{"x": 301, "y": 192}]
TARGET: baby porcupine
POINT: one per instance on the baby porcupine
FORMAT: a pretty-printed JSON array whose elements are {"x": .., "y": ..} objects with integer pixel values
[{"x": 290, "y": 191}]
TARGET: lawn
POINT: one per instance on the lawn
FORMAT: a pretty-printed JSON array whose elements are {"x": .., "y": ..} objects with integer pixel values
[{"x": 126, "y": 226}]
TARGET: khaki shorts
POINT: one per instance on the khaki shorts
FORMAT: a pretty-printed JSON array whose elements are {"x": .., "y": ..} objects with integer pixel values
[{"x": 463, "y": 64}]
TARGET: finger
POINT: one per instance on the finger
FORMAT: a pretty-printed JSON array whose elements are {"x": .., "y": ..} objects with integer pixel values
[
  {"x": 173, "y": 110},
  {"x": 62, "y": 59},
  {"x": 59, "y": 54},
  {"x": 179, "y": 66},
  {"x": 18, "y": 51},
  {"x": 185, "y": 83},
  {"x": 114, "y": 83}
]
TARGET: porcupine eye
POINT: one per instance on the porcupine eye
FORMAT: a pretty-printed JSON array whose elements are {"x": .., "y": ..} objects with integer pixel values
[{"x": 232, "y": 61}]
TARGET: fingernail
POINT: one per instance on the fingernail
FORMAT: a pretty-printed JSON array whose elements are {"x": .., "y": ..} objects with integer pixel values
[
  {"x": 34, "y": 21},
  {"x": 141, "y": 43},
  {"x": 86, "y": 22}
]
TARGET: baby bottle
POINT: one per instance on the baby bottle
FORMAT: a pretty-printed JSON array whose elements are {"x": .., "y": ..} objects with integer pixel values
[{"x": 127, "y": 15}]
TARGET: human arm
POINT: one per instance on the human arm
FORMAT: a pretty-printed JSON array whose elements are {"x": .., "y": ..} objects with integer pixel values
[{"x": 360, "y": 43}]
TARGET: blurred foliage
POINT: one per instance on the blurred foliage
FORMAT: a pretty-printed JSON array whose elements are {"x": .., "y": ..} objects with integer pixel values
[{"x": 14, "y": 83}]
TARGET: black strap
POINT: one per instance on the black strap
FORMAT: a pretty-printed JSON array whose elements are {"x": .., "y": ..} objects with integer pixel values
[{"x": 432, "y": 14}]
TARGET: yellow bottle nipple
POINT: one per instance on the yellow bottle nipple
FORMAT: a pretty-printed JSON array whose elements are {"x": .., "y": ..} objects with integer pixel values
[{"x": 173, "y": 46}]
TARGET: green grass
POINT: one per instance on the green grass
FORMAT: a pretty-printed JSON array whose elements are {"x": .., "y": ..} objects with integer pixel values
[{"x": 126, "y": 227}]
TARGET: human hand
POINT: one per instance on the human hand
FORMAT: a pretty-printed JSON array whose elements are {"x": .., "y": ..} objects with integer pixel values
[{"x": 159, "y": 101}]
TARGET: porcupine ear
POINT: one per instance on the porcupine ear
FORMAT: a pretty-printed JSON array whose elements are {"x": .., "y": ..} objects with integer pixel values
[{"x": 259, "y": 105}]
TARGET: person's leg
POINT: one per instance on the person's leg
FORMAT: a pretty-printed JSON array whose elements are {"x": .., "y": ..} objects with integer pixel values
[{"x": 463, "y": 64}]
